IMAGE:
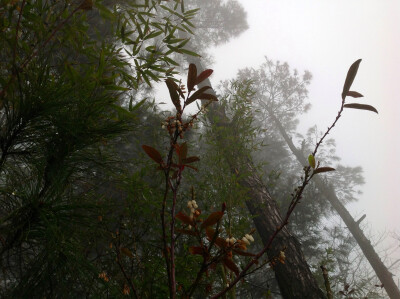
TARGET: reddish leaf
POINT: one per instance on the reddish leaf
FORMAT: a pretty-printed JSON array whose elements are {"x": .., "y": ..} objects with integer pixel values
[
  {"x": 184, "y": 218},
  {"x": 231, "y": 265},
  {"x": 192, "y": 77},
  {"x": 210, "y": 233},
  {"x": 181, "y": 151},
  {"x": 203, "y": 75},
  {"x": 190, "y": 160},
  {"x": 221, "y": 243},
  {"x": 209, "y": 97},
  {"x": 243, "y": 253},
  {"x": 212, "y": 219},
  {"x": 354, "y": 94},
  {"x": 126, "y": 251},
  {"x": 351, "y": 74},
  {"x": 187, "y": 232},
  {"x": 190, "y": 166},
  {"x": 173, "y": 92},
  {"x": 361, "y": 106},
  {"x": 323, "y": 169},
  {"x": 197, "y": 95},
  {"x": 198, "y": 250},
  {"x": 218, "y": 241},
  {"x": 152, "y": 153}
]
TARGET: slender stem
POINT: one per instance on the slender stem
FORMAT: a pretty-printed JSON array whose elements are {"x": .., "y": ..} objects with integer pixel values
[
  {"x": 169, "y": 262},
  {"x": 284, "y": 222},
  {"x": 175, "y": 192}
]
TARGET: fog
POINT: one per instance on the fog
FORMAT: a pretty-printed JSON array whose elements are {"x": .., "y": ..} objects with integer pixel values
[{"x": 325, "y": 38}]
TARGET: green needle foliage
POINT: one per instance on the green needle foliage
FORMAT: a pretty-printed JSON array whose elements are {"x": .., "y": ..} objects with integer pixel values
[{"x": 65, "y": 70}]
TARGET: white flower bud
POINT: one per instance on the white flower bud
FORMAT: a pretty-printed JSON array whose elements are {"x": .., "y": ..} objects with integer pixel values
[
  {"x": 189, "y": 205},
  {"x": 249, "y": 237},
  {"x": 189, "y": 227},
  {"x": 244, "y": 239}
]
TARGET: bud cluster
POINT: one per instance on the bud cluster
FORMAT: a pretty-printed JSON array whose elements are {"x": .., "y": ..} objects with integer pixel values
[
  {"x": 230, "y": 241},
  {"x": 247, "y": 239}
]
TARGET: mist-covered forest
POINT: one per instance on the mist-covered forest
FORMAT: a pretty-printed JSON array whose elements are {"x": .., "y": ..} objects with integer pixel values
[{"x": 126, "y": 170}]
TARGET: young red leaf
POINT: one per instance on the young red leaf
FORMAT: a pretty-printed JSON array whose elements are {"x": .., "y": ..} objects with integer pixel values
[
  {"x": 190, "y": 160},
  {"x": 190, "y": 166},
  {"x": 210, "y": 233},
  {"x": 354, "y": 94},
  {"x": 221, "y": 243},
  {"x": 351, "y": 74},
  {"x": 207, "y": 96},
  {"x": 127, "y": 252},
  {"x": 203, "y": 75},
  {"x": 361, "y": 106},
  {"x": 173, "y": 92},
  {"x": 192, "y": 77},
  {"x": 212, "y": 219},
  {"x": 231, "y": 265},
  {"x": 152, "y": 153},
  {"x": 323, "y": 169},
  {"x": 198, "y": 250},
  {"x": 196, "y": 95},
  {"x": 181, "y": 151},
  {"x": 184, "y": 218},
  {"x": 218, "y": 241}
]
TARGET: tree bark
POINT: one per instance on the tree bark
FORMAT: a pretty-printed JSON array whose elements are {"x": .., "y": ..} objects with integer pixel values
[
  {"x": 294, "y": 277},
  {"x": 380, "y": 269}
]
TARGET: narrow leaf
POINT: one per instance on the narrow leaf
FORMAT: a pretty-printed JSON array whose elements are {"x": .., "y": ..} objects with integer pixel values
[
  {"x": 184, "y": 218},
  {"x": 196, "y": 95},
  {"x": 311, "y": 161},
  {"x": 203, "y": 75},
  {"x": 190, "y": 166},
  {"x": 197, "y": 250},
  {"x": 212, "y": 219},
  {"x": 354, "y": 94},
  {"x": 351, "y": 74},
  {"x": 126, "y": 251},
  {"x": 207, "y": 96},
  {"x": 181, "y": 151},
  {"x": 153, "y": 153},
  {"x": 173, "y": 92},
  {"x": 192, "y": 76},
  {"x": 361, "y": 106},
  {"x": 190, "y": 160},
  {"x": 231, "y": 265},
  {"x": 210, "y": 233},
  {"x": 323, "y": 169}
]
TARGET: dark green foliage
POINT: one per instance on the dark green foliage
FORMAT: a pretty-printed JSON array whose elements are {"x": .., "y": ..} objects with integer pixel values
[{"x": 63, "y": 74}]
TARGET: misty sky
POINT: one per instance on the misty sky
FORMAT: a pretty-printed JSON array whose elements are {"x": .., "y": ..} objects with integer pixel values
[{"x": 326, "y": 37}]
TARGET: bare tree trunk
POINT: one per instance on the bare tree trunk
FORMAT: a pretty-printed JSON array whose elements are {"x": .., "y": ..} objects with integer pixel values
[
  {"x": 380, "y": 269},
  {"x": 294, "y": 278}
]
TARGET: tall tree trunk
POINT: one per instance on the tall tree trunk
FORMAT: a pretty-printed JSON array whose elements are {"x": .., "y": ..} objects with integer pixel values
[
  {"x": 380, "y": 269},
  {"x": 294, "y": 278}
]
